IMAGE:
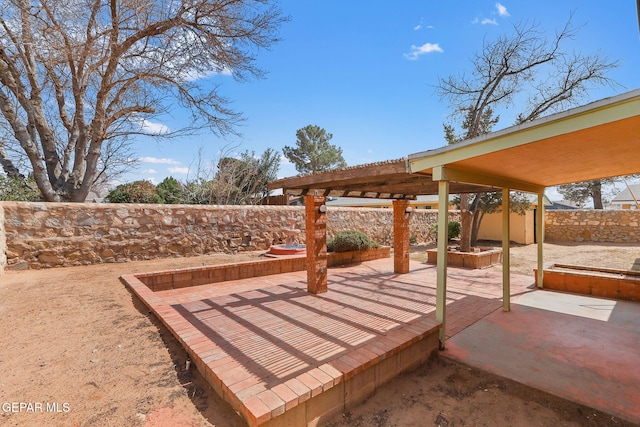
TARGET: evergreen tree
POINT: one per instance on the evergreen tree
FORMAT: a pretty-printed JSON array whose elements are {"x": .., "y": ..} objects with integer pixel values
[{"x": 313, "y": 152}]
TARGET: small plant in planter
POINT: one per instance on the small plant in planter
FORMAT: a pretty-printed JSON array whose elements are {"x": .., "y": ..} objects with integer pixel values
[{"x": 351, "y": 240}]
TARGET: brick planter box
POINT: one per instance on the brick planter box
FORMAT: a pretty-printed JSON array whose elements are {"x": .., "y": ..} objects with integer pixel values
[
  {"x": 600, "y": 282},
  {"x": 343, "y": 258},
  {"x": 485, "y": 258},
  {"x": 182, "y": 278}
]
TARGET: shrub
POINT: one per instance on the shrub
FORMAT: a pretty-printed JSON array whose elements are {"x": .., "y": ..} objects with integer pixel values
[
  {"x": 134, "y": 192},
  {"x": 170, "y": 191},
  {"x": 350, "y": 240},
  {"x": 453, "y": 230},
  {"x": 19, "y": 189}
]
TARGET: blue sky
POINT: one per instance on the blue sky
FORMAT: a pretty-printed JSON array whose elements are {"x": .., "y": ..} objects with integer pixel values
[{"x": 365, "y": 71}]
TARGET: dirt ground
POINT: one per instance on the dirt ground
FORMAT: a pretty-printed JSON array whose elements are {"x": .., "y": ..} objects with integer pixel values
[{"x": 78, "y": 349}]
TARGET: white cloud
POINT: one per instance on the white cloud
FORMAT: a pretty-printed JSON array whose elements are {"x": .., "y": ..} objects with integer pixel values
[
  {"x": 157, "y": 160},
  {"x": 284, "y": 160},
  {"x": 151, "y": 171},
  {"x": 184, "y": 171},
  {"x": 502, "y": 11},
  {"x": 149, "y": 127},
  {"x": 152, "y": 180},
  {"x": 417, "y": 51},
  {"x": 421, "y": 25},
  {"x": 154, "y": 128},
  {"x": 196, "y": 75},
  {"x": 486, "y": 21}
]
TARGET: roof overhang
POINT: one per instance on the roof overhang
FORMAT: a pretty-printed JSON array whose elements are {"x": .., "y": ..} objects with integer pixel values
[{"x": 595, "y": 141}]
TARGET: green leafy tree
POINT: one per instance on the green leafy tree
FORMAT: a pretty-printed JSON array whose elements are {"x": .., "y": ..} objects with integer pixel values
[
  {"x": 134, "y": 192},
  {"x": 170, "y": 191},
  {"x": 581, "y": 192},
  {"x": 540, "y": 72},
  {"x": 313, "y": 152}
]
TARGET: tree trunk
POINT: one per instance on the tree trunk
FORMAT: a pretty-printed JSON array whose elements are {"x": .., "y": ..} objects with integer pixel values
[
  {"x": 477, "y": 220},
  {"x": 466, "y": 222},
  {"x": 7, "y": 165},
  {"x": 596, "y": 194}
]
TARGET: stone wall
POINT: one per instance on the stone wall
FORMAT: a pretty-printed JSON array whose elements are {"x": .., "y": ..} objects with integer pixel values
[
  {"x": 37, "y": 235},
  {"x": 610, "y": 226},
  {"x": 3, "y": 242},
  {"x": 40, "y": 235},
  {"x": 378, "y": 223}
]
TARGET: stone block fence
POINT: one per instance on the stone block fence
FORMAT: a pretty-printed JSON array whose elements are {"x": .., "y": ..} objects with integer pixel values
[
  {"x": 41, "y": 235},
  {"x": 602, "y": 226}
]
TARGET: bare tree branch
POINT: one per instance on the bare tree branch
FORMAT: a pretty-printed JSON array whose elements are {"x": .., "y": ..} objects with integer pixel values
[
  {"x": 523, "y": 62},
  {"x": 74, "y": 75}
]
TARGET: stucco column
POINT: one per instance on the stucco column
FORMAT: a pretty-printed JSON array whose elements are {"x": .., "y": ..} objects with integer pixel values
[
  {"x": 400, "y": 236},
  {"x": 506, "y": 244},
  {"x": 316, "y": 233},
  {"x": 540, "y": 238},
  {"x": 441, "y": 263}
]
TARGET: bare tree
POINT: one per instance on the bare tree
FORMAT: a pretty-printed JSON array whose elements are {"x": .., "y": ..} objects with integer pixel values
[
  {"x": 78, "y": 74},
  {"x": 233, "y": 179},
  {"x": 525, "y": 63}
]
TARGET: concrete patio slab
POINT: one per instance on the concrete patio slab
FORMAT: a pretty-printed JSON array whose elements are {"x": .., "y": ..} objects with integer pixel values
[{"x": 584, "y": 349}]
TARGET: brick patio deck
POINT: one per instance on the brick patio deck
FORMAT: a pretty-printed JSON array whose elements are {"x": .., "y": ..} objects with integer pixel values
[{"x": 282, "y": 356}]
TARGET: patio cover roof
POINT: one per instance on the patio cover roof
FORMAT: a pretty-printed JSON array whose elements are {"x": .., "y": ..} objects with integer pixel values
[{"x": 597, "y": 140}]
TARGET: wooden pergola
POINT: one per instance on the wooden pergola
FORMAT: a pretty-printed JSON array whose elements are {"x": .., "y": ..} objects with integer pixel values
[
  {"x": 391, "y": 179},
  {"x": 598, "y": 140}
]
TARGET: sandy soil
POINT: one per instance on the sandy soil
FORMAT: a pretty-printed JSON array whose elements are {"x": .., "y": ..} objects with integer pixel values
[{"x": 80, "y": 350}]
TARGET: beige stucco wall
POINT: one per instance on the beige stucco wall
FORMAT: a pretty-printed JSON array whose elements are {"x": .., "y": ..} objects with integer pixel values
[
  {"x": 42, "y": 235},
  {"x": 522, "y": 229}
]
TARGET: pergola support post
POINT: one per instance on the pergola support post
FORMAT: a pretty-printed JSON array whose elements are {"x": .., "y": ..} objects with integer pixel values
[
  {"x": 401, "y": 236},
  {"x": 506, "y": 237},
  {"x": 540, "y": 239},
  {"x": 316, "y": 234},
  {"x": 441, "y": 262}
]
